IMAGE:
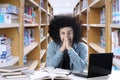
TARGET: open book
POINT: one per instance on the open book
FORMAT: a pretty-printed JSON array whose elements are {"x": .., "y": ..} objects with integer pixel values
[
  {"x": 54, "y": 77},
  {"x": 51, "y": 74}
]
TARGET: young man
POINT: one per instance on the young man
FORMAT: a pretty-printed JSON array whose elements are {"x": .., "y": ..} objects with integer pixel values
[{"x": 66, "y": 50}]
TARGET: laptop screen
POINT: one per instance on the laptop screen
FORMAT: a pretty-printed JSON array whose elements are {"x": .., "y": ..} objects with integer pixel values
[{"x": 100, "y": 64}]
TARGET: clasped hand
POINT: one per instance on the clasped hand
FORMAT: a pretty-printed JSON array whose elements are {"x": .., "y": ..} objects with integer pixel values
[{"x": 66, "y": 45}]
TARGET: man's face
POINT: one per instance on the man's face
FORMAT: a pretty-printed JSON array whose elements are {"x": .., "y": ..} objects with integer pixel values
[{"x": 66, "y": 32}]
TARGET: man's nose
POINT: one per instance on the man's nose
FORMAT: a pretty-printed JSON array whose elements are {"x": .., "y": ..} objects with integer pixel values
[{"x": 66, "y": 35}]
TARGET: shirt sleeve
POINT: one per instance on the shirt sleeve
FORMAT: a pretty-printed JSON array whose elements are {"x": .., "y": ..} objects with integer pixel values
[
  {"x": 79, "y": 59},
  {"x": 54, "y": 56}
]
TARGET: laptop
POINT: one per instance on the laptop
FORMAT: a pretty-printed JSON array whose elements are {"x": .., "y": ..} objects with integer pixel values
[{"x": 99, "y": 65}]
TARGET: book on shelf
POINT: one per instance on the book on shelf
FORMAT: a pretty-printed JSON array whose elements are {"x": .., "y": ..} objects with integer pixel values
[
  {"x": 102, "y": 16},
  {"x": 115, "y": 11},
  {"x": 41, "y": 33},
  {"x": 13, "y": 68},
  {"x": 102, "y": 37},
  {"x": 8, "y": 8},
  {"x": 84, "y": 4},
  {"x": 116, "y": 42},
  {"x": 42, "y": 3},
  {"x": 5, "y": 60},
  {"x": 29, "y": 36},
  {"x": 8, "y": 18}
]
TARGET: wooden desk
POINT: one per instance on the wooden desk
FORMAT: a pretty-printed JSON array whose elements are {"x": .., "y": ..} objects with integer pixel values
[{"x": 114, "y": 76}]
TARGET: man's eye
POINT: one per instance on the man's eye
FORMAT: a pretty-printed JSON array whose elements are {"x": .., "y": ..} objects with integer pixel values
[
  {"x": 69, "y": 33},
  {"x": 63, "y": 33}
]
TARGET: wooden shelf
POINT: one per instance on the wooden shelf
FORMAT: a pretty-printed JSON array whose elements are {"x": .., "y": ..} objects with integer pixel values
[
  {"x": 85, "y": 39},
  {"x": 116, "y": 62},
  {"x": 14, "y": 25},
  {"x": 29, "y": 48},
  {"x": 42, "y": 52},
  {"x": 97, "y": 47},
  {"x": 32, "y": 64},
  {"x": 97, "y": 4},
  {"x": 48, "y": 24},
  {"x": 34, "y": 3},
  {"x": 77, "y": 14},
  {"x": 84, "y": 24},
  {"x": 42, "y": 39},
  {"x": 12, "y": 62},
  {"x": 43, "y": 10},
  {"x": 31, "y": 25},
  {"x": 43, "y": 24},
  {"x": 97, "y": 25},
  {"x": 84, "y": 10},
  {"x": 42, "y": 64},
  {"x": 49, "y": 14},
  {"x": 46, "y": 13},
  {"x": 115, "y": 26}
]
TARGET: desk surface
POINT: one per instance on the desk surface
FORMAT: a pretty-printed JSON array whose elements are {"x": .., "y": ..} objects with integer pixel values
[{"x": 115, "y": 75}]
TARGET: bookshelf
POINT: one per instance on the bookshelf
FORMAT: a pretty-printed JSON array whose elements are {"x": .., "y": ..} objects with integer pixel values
[
  {"x": 27, "y": 41},
  {"x": 46, "y": 15},
  {"x": 11, "y": 30},
  {"x": 98, "y": 24},
  {"x": 90, "y": 15}
]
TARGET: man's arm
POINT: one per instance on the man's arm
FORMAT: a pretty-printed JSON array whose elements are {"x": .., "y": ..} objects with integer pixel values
[
  {"x": 54, "y": 56},
  {"x": 79, "y": 60}
]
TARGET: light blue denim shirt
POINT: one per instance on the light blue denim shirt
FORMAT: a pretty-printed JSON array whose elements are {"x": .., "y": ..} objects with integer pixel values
[{"x": 78, "y": 56}]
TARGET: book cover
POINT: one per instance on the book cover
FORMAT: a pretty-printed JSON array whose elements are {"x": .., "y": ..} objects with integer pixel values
[
  {"x": 16, "y": 76},
  {"x": 12, "y": 68},
  {"x": 10, "y": 73}
]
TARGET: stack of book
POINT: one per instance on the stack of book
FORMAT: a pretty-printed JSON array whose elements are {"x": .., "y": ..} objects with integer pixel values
[
  {"x": 8, "y": 13},
  {"x": 13, "y": 72},
  {"x": 5, "y": 49}
]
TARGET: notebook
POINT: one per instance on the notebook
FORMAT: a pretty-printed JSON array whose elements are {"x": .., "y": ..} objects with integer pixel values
[{"x": 99, "y": 65}]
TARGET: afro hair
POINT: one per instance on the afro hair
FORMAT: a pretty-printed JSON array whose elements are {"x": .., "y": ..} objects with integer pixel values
[{"x": 61, "y": 21}]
